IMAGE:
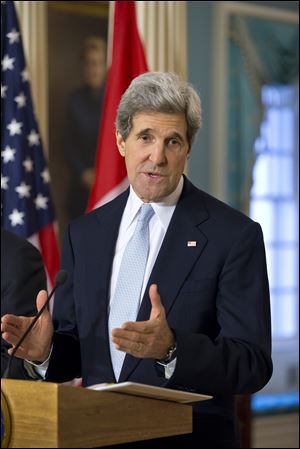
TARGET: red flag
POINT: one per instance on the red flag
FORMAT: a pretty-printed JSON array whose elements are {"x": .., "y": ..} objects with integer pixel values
[{"x": 128, "y": 61}]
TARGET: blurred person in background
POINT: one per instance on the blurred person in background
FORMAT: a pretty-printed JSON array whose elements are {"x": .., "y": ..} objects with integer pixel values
[{"x": 83, "y": 115}]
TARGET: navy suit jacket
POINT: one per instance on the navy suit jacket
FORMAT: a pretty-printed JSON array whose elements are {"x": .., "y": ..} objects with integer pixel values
[{"x": 215, "y": 295}]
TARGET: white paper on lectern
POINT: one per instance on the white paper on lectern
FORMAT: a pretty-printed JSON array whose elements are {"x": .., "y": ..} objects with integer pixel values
[{"x": 151, "y": 391}]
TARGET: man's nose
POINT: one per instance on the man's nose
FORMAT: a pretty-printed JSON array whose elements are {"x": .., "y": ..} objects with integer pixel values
[{"x": 158, "y": 154}]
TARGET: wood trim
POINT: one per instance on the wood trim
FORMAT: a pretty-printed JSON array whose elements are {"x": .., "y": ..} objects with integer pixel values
[{"x": 88, "y": 8}]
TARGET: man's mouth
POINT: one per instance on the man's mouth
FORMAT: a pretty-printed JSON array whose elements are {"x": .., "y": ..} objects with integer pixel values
[{"x": 153, "y": 175}]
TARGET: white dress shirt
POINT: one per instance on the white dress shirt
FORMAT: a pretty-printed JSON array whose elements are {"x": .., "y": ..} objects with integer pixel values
[{"x": 158, "y": 226}]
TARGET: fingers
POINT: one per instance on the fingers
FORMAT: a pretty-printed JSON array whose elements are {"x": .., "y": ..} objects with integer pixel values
[
  {"x": 145, "y": 327},
  {"x": 12, "y": 339},
  {"x": 11, "y": 334},
  {"x": 21, "y": 353},
  {"x": 41, "y": 299},
  {"x": 131, "y": 342},
  {"x": 136, "y": 343},
  {"x": 12, "y": 320},
  {"x": 136, "y": 349},
  {"x": 13, "y": 327},
  {"x": 157, "y": 308},
  {"x": 144, "y": 338},
  {"x": 128, "y": 334},
  {"x": 131, "y": 345},
  {"x": 36, "y": 345}
]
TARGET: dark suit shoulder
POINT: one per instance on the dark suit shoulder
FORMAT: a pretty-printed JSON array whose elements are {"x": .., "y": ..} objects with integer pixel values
[
  {"x": 214, "y": 207},
  {"x": 221, "y": 209},
  {"x": 220, "y": 222}
]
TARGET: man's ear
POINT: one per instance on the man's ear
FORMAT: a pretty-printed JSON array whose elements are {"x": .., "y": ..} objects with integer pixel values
[{"x": 120, "y": 143}]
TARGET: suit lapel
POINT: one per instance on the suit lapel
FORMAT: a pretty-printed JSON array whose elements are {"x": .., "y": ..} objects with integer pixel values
[
  {"x": 109, "y": 227},
  {"x": 109, "y": 221},
  {"x": 176, "y": 258}
]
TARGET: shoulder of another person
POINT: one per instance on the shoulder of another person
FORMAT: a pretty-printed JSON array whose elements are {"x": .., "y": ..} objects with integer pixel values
[{"x": 16, "y": 245}]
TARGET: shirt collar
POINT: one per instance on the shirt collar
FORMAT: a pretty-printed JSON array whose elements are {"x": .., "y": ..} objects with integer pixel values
[{"x": 164, "y": 209}]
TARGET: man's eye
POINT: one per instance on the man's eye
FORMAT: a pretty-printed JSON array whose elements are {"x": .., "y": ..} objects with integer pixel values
[
  {"x": 144, "y": 138},
  {"x": 174, "y": 143}
]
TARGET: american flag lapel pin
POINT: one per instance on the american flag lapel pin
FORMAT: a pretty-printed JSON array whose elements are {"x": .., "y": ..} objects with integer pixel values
[{"x": 191, "y": 243}]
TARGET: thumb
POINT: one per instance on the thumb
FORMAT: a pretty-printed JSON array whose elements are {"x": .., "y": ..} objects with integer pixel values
[
  {"x": 41, "y": 299},
  {"x": 157, "y": 307}
]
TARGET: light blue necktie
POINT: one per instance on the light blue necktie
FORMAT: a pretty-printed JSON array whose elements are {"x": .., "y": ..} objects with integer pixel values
[{"x": 126, "y": 300}]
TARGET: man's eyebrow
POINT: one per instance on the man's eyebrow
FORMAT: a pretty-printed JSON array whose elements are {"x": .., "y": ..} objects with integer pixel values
[
  {"x": 170, "y": 136},
  {"x": 143, "y": 131}
]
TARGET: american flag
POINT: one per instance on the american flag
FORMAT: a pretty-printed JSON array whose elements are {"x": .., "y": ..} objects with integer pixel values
[{"x": 26, "y": 205}]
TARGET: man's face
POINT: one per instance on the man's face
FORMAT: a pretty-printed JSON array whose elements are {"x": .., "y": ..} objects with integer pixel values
[
  {"x": 155, "y": 154},
  {"x": 94, "y": 68}
]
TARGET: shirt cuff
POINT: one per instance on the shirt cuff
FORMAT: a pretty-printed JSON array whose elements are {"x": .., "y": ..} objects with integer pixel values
[
  {"x": 169, "y": 368},
  {"x": 39, "y": 368}
]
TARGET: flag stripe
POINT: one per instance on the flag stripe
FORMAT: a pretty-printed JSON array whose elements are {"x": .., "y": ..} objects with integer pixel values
[{"x": 49, "y": 251}]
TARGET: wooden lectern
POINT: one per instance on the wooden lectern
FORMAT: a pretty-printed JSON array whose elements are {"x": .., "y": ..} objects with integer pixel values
[{"x": 52, "y": 415}]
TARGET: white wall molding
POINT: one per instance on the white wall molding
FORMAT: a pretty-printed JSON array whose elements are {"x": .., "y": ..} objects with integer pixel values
[{"x": 222, "y": 12}]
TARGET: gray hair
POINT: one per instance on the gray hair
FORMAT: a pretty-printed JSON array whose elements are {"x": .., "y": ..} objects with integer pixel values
[{"x": 163, "y": 92}]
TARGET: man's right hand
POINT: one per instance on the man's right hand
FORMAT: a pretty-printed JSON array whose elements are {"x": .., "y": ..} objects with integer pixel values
[{"x": 37, "y": 344}]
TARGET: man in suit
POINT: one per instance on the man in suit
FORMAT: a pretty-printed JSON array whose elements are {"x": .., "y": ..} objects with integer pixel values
[
  {"x": 203, "y": 320},
  {"x": 22, "y": 277}
]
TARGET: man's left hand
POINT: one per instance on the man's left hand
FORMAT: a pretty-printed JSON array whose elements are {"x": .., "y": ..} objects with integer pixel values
[{"x": 146, "y": 339}]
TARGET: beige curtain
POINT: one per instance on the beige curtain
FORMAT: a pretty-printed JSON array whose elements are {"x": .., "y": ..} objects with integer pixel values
[
  {"x": 33, "y": 23},
  {"x": 163, "y": 28}
]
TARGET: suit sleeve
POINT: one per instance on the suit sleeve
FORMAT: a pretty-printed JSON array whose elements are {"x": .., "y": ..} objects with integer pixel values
[
  {"x": 23, "y": 277},
  {"x": 65, "y": 360},
  {"x": 238, "y": 360}
]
